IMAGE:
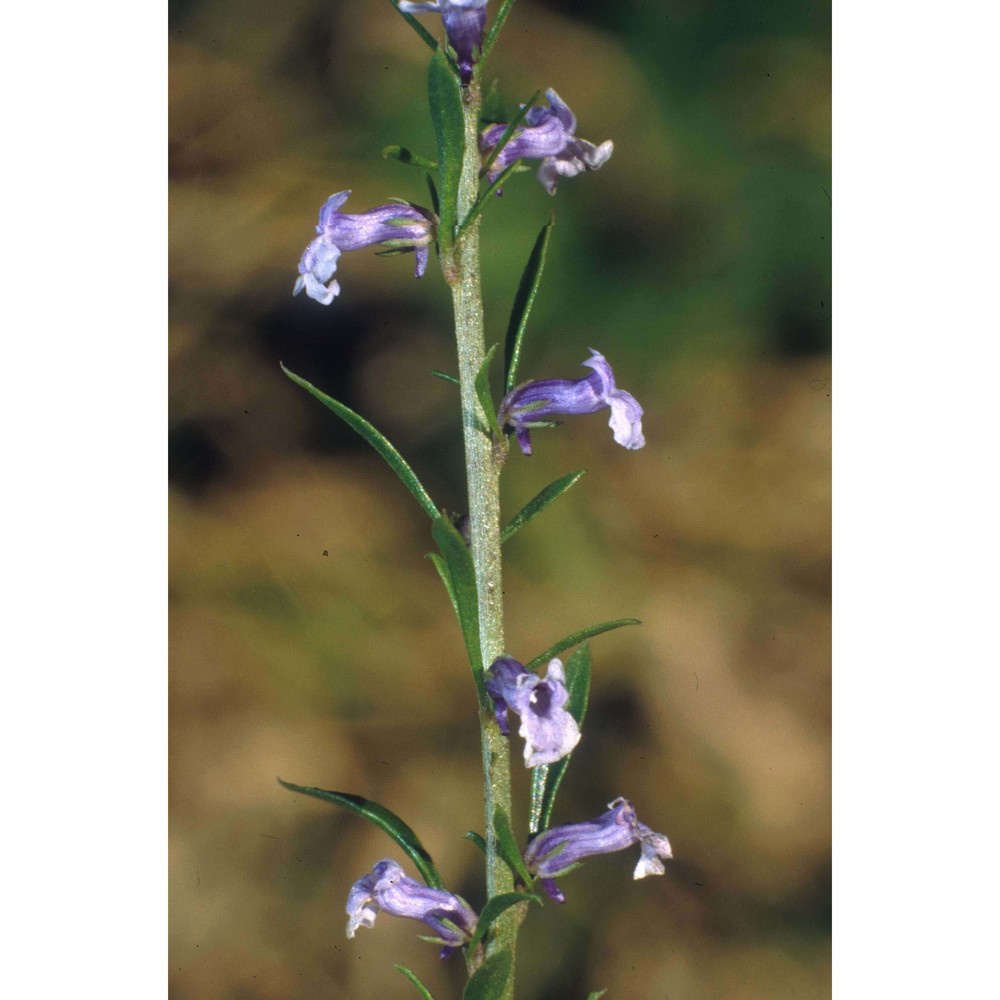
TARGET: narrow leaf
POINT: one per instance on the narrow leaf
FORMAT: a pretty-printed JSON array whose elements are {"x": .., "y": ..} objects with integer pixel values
[
  {"x": 485, "y": 397},
  {"x": 444, "y": 376},
  {"x": 494, "y": 907},
  {"x": 523, "y": 301},
  {"x": 442, "y": 567},
  {"x": 535, "y": 506},
  {"x": 484, "y": 198},
  {"x": 421, "y": 989},
  {"x": 507, "y": 846},
  {"x": 490, "y": 980},
  {"x": 458, "y": 562},
  {"x": 508, "y": 133},
  {"x": 596, "y": 995},
  {"x": 387, "y": 821},
  {"x": 377, "y": 440},
  {"x": 433, "y": 191},
  {"x": 494, "y": 30},
  {"x": 494, "y": 109},
  {"x": 476, "y": 839},
  {"x": 545, "y": 780},
  {"x": 411, "y": 159},
  {"x": 446, "y": 112},
  {"x": 429, "y": 39},
  {"x": 576, "y": 638}
]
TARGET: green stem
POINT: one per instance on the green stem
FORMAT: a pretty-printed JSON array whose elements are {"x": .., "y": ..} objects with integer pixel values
[{"x": 483, "y": 459}]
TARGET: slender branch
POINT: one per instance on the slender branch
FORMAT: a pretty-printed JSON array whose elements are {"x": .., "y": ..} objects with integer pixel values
[{"x": 483, "y": 460}]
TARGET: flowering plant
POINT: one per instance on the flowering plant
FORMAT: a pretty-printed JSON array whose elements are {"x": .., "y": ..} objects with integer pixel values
[{"x": 474, "y": 158}]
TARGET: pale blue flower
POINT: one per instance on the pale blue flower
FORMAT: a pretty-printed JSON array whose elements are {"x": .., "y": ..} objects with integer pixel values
[
  {"x": 387, "y": 887},
  {"x": 395, "y": 225},
  {"x": 533, "y": 404}
]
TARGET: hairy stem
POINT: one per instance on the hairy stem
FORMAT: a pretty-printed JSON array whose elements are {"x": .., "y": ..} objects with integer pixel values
[{"x": 483, "y": 461}]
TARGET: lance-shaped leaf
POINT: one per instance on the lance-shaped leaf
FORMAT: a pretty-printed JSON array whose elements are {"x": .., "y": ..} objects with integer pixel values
[
  {"x": 483, "y": 394},
  {"x": 490, "y": 980},
  {"x": 494, "y": 907},
  {"x": 537, "y": 504},
  {"x": 411, "y": 159},
  {"x": 494, "y": 110},
  {"x": 484, "y": 198},
  {"x": 428, "y": 39},
  {"x": 523, "y": 301},
  {"x": 576, "y": 638},
  {"x": 386, "y": 820},
  {"x": 507, "y": 845},
  {"x": 545, "y": 780},
  {"x": 376, "y": 439},
  {"x": 596, "y": 995},
  {"x": 445, "y": 95},
  {"x": 494, "y": 29},
  {"x": 476, "y": 839},
  {"x": 421, "y": 989},
  {"x": 461, "y": 585}
]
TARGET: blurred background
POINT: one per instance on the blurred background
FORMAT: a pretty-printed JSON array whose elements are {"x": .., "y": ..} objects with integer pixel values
[{"x": 312, "y": 640}]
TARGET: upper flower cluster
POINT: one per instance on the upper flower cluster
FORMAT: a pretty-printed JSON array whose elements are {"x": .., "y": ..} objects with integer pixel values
[
  {"x": 464, "y": 23},
  {"x": 549, "y": 135},
  {"x": 396, "y": 225}
]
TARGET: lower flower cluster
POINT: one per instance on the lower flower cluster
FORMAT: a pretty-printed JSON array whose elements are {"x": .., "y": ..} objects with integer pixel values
[{"x": 550, "y": 733}]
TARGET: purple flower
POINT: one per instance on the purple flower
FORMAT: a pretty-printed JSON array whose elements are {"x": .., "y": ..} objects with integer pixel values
[
  {"x": 549, "y": 135},
  {"x": 549, "y": 731},
  {"x": 532, "y": 404},
  {"x": 397, "y": 226},
  {"x": 561, "y": 848},
  {"x": 388, "y": 888},
  {"x": 464, "y": 22}
]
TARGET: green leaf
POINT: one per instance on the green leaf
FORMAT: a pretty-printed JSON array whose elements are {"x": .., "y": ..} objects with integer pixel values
[
  {"x": 576, "y": 638},
  {"x": 444, "y": 376},
  {"x": 508, "y": 133},
  {"x": 523, "y": 301},
  {"x": 494, "y": 109},
  {"x": 433, "y": 191},
  {"x": 484, "y": 198},
  {"x": 507, "y": 846},
  {"x": 442, "y": 567},
  {"x": 377, "y": 440},
  {"x": 596, "y": 995},
  {"x": 490, "y": 980},
  {"x": 421, "y": 989},
  {"x": 429, "y": 39},
  {"x": 476, "y": 839},
  {"x": 545, "y": 780},
  {"x": 494, "y": 30},
  {"x": 485, "y": 397},
  {"x": 411, "y": 159},
  {"x": 449, "y": 129},
  {"x": 462, "y": 576},
  {"x": 387, "y": 821},
  {"x": 535, "y": 506},
  {"x": 494, "y": 907}
]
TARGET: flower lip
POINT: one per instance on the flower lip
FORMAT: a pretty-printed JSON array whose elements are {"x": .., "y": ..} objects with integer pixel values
[{"x": 549, "y": 731}]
